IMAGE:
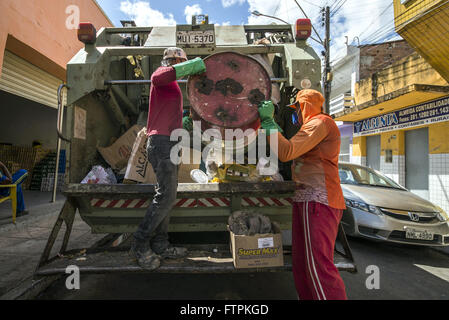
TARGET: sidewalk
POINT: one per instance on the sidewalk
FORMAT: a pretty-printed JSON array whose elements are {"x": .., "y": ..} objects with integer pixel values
[
  {"x": 37, "y": 203},
  {"x": 21, "y": 245}
]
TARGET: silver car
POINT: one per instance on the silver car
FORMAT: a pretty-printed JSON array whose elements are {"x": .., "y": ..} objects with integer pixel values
[{"x": 379, "y": 208}]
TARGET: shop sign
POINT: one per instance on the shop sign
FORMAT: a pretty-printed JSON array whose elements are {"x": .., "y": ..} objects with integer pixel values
[{"x": 420, "y": 115}]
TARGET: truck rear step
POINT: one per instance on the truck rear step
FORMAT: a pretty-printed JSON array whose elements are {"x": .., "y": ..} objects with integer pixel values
[{"x": 201, "y": 259}]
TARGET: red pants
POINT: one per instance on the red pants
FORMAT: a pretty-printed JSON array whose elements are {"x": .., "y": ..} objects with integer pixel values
[{"x": 314, "y": 231}]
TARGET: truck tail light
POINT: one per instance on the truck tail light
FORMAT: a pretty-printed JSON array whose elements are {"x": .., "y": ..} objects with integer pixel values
[
  {"x": 87, "y": 33},
  {"x": 303, "y": 29}
]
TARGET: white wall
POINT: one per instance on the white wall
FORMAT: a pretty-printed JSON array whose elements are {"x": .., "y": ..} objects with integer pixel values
[{"x": 439, "y": 180}]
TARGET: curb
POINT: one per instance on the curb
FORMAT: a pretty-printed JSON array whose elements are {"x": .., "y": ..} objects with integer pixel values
[{"x": 442, "y": 250}]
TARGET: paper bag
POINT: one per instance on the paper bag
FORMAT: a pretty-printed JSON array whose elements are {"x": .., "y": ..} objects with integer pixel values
[{"x": 139, "y": 169}]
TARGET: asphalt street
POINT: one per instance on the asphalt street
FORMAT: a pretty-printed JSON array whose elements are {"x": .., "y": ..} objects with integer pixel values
[{"x": 385, "y": 271}]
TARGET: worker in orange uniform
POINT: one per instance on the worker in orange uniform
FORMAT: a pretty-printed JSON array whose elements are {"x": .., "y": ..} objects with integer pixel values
[{"x": 318, "y": 201}]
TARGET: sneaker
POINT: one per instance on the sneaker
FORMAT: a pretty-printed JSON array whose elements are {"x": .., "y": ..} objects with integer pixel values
[
  {"x": 174, "y": 253},
  {"x": 145, "y": 257}
]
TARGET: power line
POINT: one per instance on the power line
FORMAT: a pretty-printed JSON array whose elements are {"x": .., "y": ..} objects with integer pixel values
[
  {"x": 277, "y": 8},
  {"x": 372, "y": 22},
  {"x": 335, "y": 4},
  {"x": 338, "y": 9},
  {"x": 311, "y": 3},
  {"x": 321, "y": 41}
]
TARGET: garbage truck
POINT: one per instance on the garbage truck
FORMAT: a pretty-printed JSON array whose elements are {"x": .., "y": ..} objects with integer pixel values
[{"x": 108, "y": 84}]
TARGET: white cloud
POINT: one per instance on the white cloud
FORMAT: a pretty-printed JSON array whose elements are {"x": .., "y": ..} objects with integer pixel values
[
  {"x": 142, "y": 13},
  {"x": 226, "y": 23},
  {"x": 189, "y": 11},
  {"x": 230, "y": 3},
  {"x": 369, "y": 20}
]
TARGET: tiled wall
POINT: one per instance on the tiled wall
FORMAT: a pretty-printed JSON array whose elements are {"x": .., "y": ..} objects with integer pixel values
[
  {"x": 438, "y": 167},
  {"x": 394, "y": 170},
  {"x": 439, "y": 180},
  {"x": 358, "y": 160}
]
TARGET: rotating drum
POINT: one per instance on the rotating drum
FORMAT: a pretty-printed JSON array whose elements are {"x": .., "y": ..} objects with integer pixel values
[{"x": 228, "y": 94}]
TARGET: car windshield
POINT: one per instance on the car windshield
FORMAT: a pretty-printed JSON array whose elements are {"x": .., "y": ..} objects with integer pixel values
[{"x": 365, "y": 176}]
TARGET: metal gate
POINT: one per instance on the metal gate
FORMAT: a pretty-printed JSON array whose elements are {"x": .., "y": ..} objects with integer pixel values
[
  {"x": 373, "y": 152},
  {"x": 417, "y": 162},
  {"x": 24, "y": 79}
]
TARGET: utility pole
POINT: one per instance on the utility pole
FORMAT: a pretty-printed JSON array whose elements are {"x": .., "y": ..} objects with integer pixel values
[{"x": 327, "y": 78}]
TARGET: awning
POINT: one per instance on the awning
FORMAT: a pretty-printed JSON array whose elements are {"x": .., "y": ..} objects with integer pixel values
[{"x": 399, "y": 99}]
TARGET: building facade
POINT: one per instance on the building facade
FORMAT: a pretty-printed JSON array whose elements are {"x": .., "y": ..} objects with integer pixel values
[
  {"x": 37, "y": 39},
  {"x": 401, "y": 126},
  {"x": 360, "y": 62},
  {"x": 424, "y": 24}
]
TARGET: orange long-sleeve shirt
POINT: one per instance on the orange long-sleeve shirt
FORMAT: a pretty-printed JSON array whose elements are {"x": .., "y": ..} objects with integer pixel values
[{"x": 314, "y": 149}]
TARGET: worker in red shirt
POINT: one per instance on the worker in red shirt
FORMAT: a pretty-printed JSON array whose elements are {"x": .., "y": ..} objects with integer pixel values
[
  {"x": 318, "y": 202},
  {"x": 164, "y": 115}
]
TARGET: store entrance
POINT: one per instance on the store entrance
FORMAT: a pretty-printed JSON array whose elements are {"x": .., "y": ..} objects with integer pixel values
[{"x": 417, "y": 162}]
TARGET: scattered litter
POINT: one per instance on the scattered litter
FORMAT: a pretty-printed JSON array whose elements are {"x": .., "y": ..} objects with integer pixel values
[
  {"x": 198, "y": 176},
  {"x": 277, "y": 177},
  {"x": 249, "y": 223},
  {"x": 100, "y": 175},
  {"x": 211, "y": 169}
]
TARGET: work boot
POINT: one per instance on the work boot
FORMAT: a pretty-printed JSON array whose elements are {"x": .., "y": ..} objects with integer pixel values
[
  {"x": 173, "y": 253},
  {"x": 145, "y": 257}
]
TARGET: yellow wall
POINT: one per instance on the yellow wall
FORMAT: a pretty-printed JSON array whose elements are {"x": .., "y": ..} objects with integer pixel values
[
  {"x": 359, "y": 146},
  {"x": 424, "y": 25},
  {"x": 410, "y": 70},
  {"x": 439, "y": 138},
  {"x": 394, "y": 141},
  {"x": 409, "y": 10}
]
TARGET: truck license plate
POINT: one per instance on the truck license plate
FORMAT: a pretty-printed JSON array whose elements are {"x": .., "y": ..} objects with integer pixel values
[
  {"x": 195, "y": 37},
  {"x": 418, "y": 234}
]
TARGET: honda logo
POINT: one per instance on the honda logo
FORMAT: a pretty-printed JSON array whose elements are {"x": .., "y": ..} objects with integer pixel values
[{"x": 413, "y": 216}]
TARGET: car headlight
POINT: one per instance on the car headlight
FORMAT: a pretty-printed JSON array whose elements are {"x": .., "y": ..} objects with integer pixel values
[
  {"x": 363, "y": 206},
  {"x": 442, "y": 215}
]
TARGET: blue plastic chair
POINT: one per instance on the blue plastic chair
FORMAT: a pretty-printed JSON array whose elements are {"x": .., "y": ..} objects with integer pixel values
[{"x": 13, "y": 195}]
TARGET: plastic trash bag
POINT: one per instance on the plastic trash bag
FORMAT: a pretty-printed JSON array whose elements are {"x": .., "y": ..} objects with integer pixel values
[{"x": 100, "y": 175}]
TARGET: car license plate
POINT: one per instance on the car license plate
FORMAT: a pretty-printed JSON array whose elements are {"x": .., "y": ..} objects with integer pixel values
[
  {"x": 195, "y": 37},
  {"x": 418, "y": 234}
]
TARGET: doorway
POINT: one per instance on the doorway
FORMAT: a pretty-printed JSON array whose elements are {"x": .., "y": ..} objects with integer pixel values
[
  {"x": 417, "y": 162},
  {"x": 373, "y": 152}
]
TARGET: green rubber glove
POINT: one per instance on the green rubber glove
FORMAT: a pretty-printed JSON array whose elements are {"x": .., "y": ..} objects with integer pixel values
[
  {"x": 187, "y": 123},
  {"x": 190, "y": 67},
  {"x": 266, "y": 114}
]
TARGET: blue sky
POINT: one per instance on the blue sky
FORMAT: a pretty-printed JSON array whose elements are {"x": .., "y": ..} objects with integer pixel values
[
  {"x": 353, "y": 21},
  {"x": 234, "y": 14}
]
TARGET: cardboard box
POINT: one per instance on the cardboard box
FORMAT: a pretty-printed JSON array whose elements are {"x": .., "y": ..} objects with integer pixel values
[
  {"x": 258, "y": 251},
  {"x": 140, "y": 170},
  {"x": 117, "y": 154}
]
